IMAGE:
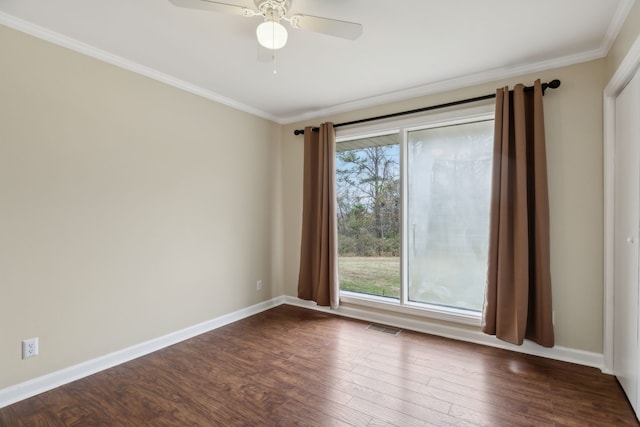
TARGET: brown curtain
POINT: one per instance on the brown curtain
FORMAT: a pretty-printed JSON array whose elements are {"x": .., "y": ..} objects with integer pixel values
[
  {"x": 518, "y": 296},
  {"x": 318, "y": 278}
]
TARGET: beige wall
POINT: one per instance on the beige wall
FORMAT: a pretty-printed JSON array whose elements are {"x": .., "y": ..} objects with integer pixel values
[
  {"x": 129, "y": 209},
  {"x": 573, "y": 116},
  {"x": 627, "y": 36}
]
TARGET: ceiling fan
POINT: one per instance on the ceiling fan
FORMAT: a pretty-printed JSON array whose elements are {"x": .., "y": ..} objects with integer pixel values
[{"x": 271, "y": 33}]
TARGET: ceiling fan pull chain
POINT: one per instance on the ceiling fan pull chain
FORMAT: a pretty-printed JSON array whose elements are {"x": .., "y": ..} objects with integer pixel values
[
  {"x": 271, "y": 33},
  {"x": 275, "y": 63}
]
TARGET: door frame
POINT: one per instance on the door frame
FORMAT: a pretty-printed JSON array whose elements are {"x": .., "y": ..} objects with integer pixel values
[{"x": 623, "y": 74}]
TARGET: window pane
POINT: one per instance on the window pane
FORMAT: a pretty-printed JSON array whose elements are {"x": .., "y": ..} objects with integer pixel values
[
  {"x": 448, "y": 185},
  {"x": 368, "y": 193}
]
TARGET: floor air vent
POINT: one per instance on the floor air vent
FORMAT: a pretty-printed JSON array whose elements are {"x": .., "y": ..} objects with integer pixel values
[{"x": 384, "y": 329}]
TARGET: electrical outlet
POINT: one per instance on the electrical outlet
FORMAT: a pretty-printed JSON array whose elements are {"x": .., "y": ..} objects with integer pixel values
[
  {"x": 30, "y": 348},
  {"x": 259, "y": 285}
]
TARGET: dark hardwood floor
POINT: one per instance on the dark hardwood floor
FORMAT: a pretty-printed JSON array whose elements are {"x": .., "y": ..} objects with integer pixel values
[{"x": 292, "y": 366}]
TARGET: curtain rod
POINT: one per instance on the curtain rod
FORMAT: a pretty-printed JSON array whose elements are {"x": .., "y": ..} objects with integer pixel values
[{"x": 553, "y": 84}]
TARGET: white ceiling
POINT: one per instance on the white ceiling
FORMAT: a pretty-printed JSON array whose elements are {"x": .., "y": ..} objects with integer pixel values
[{"x": 408, "y": 47}]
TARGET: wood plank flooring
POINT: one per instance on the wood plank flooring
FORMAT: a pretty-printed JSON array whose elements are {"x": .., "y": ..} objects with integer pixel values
[{"x": 292, "y": 366}]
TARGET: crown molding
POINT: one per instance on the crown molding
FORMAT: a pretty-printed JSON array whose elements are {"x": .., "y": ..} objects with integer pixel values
[
  {"x": 86, "y": 49},
  {"x": 616, "y": 24},
  {"x": 429, "y": 89},
  {"x": 452, "y": 84},
  {"x": 503, "y": 73}
]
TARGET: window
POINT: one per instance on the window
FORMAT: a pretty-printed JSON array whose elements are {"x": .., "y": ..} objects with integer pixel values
[
  {"x": 413, "y": 214},
  {"x": 368, "y": 210},
  {"x": 448, "y": 195}
]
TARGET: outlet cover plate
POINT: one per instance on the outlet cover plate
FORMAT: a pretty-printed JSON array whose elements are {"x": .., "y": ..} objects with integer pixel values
[{"x": 30, "y": 348}]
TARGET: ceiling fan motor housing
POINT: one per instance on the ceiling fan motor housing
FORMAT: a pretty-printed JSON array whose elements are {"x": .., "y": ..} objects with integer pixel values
[
  {"x": 273, "y": 9},
  {"x": 271, "y": 32}
]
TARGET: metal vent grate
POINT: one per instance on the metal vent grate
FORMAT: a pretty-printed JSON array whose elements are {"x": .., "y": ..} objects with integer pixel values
[{"x": 384, "y": 329}]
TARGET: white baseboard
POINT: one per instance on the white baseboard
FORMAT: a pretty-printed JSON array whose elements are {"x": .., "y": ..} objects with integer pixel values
[
  {"x": 55, "y": 379},
  {"x": 50, "y": 381},
  {"x": 564, "y": 354}
]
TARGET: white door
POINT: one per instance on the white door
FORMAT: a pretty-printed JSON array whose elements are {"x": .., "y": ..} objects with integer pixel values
[{"x": 626, "y": 233}]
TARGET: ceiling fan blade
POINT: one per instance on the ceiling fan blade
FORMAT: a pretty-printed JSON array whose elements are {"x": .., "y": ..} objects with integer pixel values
[
  {"x": 332, "y": 27},
  {"x": 215, "y": 6}
]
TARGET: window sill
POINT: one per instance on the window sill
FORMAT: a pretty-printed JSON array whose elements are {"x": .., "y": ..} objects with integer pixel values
[{"x": 453, "y": 315}]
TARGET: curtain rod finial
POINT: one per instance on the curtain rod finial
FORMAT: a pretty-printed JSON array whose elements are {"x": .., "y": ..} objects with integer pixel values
[
  {"x": 298, "y": 132},
  {"x": 554, "y": 84}
]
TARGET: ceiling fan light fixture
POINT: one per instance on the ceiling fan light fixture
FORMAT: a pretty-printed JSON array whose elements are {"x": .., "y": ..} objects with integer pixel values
[{"x": 272, "y": 34}]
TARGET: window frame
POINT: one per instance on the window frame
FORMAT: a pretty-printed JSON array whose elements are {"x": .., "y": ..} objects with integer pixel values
[{"x": 403, "y": 127}]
